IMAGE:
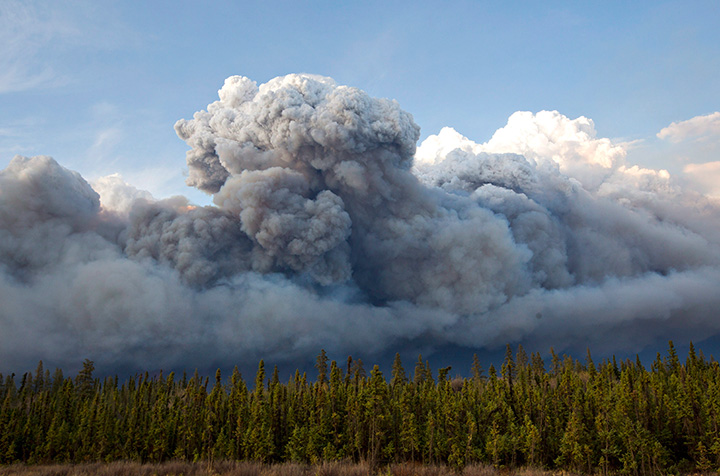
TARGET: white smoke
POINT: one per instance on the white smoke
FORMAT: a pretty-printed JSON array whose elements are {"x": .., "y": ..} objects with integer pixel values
[
  {"x": 330, "y": 230},
  {"x": 118, "y": 196}
]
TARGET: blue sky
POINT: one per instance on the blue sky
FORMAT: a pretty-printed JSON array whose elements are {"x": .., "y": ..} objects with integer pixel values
[{"x": 99, "y": 84}]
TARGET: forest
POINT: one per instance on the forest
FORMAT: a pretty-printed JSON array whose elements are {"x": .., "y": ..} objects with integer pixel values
[{"x": 564, "y": 414}]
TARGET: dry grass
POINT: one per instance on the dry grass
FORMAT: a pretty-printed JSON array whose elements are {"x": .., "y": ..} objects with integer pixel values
[
  {"x": 285, "y": 469},
  {"x": 126, "y": 468},
  {"x": 337, "y": 468},
  {"x": 241, "y": 468}
]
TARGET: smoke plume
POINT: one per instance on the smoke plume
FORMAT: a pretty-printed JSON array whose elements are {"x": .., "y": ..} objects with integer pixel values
[{"x": 329, "y": 229}]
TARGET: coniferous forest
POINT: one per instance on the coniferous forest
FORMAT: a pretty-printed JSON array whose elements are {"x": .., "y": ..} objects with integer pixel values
[{"x": 580, "y": 416}]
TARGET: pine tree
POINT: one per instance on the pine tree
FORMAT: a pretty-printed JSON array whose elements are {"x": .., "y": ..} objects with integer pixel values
[
  {"x": 476, "y": 370},
  {"x": 375, "y": 414},
  {"x": 260, "y": 439},
  {"x": 84, "y": 379},
  {"x": 398, "y": 372},
  {"x": 238, "y": 414},
  {"x": 321, "y": 366},
  {"x": 419, "y": 373}
]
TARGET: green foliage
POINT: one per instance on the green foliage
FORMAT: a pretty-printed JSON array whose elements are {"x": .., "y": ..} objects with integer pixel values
[{"x": 590, "y": 418}]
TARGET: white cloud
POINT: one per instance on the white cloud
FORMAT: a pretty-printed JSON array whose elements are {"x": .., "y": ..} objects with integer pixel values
[
  {"x": 547, "y": 137},
  {"x": 551, "y": 135},
  {"x": 117, "y": 195},
  {"x": 699, "y": 127},
  {"x": 706, "y": 177},
  {"x": 436, "y": 147}
]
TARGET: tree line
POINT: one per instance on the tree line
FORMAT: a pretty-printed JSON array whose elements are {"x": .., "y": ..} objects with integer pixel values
[{"x": 580, "y": 416}]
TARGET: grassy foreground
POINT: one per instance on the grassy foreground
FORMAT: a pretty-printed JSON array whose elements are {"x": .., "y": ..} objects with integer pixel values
[{"x": 235, "y": 468}]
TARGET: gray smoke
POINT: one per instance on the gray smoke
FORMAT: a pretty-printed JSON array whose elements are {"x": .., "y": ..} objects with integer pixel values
[{"x": 328, "y": 230}]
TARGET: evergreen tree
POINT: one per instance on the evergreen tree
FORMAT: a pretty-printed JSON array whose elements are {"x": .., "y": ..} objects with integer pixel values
[
  {"x": 398, "y": 372},
  {"x": 476, "y": 370},
  {"x": 321, "y": 366},
  {"x": 84, "y": 379}
]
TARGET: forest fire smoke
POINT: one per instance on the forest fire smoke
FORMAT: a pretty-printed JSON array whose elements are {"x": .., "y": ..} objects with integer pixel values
[{"x": 330, "y": 230}]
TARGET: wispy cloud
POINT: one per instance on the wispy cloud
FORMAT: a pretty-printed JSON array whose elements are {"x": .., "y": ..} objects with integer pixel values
[
  {"x": 699, "y": 127},
  {"x": 15, "y": 133},
  {"x": 36, "y": 35},
  {"x": 629, "y": 145},
  {"x": 25, "y": 30},
  {"x": 106, "y": 141},
  {"x": 21, "y": 77}
]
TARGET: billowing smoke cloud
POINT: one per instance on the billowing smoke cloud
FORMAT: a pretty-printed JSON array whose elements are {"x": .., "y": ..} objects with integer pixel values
[{"x": 330, "y": 230}]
